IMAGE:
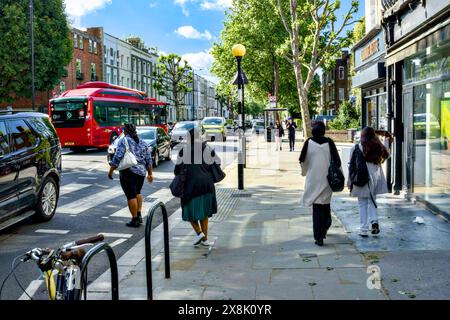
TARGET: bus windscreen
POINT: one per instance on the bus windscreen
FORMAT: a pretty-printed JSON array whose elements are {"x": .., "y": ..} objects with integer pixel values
[{"x": 69, "y": 114}]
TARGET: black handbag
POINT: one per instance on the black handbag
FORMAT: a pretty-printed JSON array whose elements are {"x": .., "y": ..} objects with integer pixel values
[
  {"x": 178, "y": 183},
  {"x": 217, "y": 173},
  {"x": 335, "y": 177}
]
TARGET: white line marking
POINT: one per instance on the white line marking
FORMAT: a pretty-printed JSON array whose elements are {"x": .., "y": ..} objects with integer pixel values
[
  {"x": 31, "y": 289},
  {"x": 86, "y": 203},
  {"x": 72, "y": 187},
  {"x": 117, "y": 235},
  {"x": 87, "y": 178},
  {"x": 52, "y": 231},
  {"x": 117, "y": 242},
  {"x": 164, "y": 195}
]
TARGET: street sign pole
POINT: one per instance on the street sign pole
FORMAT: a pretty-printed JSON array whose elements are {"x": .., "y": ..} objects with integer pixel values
[{"x": 242, "y": 127}]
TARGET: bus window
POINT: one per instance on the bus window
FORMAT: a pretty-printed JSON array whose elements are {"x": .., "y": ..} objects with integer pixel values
[
  {"x": 124, "y": 116},
  {"x": 101, "y": 115},
  {"x": 114, "y": 116},
  {"x": 134, "y": 116}
]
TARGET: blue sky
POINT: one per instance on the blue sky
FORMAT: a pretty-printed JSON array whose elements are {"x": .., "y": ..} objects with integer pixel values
[{"x": 185, "y": 27}]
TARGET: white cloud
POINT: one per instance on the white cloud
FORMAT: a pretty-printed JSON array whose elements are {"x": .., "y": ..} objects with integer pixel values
[
  {"x": 79, "y": 8},
  {"x": 200, "y": 61},
  {"x": 182, "y": 4},
  {"x": 216, "y": 4},
  {"x": 189, "y": 32},
  {"x": 75, "y": 9}
]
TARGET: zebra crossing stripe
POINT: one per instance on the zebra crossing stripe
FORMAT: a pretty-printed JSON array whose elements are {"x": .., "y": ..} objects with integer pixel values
[
  {"x": 164, "y": 195},
  {"x": 51, "y": 231},
  {"x": 117, "y": 242},
  {"x": 72, "y": 187},
  {"x": 116, "y": 235},
  {"x": 83, "y": 204},
  {"x": 31, "y": 289}
]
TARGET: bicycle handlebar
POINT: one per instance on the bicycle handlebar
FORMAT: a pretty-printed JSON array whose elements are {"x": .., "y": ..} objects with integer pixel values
[
  {"x": 93, "y": 239},
  {"x": 76, "y": 253}
]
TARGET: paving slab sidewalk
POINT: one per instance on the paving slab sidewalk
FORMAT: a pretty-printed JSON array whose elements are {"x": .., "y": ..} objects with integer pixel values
[{"x": 263, "y": 248}]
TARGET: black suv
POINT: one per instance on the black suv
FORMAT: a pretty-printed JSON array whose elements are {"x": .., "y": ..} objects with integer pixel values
[{"x": 30, "y": 167}]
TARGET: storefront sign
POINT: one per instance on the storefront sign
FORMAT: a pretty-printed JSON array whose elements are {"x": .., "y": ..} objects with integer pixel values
[{"x": 370, "y": 50}]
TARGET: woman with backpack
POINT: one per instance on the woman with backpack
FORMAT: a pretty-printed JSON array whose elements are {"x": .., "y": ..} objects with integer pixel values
[
  {"x": 366, "y": 178},
  {"x": 198, "y": 199},
  {"x": 315, "y": 158}
]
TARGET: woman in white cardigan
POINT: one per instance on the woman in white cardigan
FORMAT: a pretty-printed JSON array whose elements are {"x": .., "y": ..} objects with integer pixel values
[
  {"x": 375, "y": 153},
  {"x": 315, "y": 160}
]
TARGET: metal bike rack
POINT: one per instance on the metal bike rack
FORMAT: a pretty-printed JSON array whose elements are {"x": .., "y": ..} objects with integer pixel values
[
  {"x": 148, "y": 253},
  {"x": 112, "y": 264}
]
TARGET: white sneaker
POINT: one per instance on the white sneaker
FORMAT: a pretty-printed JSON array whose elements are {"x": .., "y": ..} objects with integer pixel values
[
  {"x": 198, "y": 238},
  {"x": 205, "y": 243}
]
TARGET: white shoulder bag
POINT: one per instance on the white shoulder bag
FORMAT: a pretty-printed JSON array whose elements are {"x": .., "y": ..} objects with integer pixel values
[{"x": 129, "y": 159}]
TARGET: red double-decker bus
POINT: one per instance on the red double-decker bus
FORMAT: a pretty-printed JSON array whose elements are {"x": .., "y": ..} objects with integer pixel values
[{"x": 91, "y": 115}]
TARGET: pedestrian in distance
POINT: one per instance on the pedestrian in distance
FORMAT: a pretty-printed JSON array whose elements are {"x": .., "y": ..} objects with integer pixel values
[
  {"x": 198, "y": 201},
  {"x": 132, "y": 179},
  {"x": 366, "y": 178},
  {"x": 279, "y": 134},
  {"x": 291, "y": 126},
  {"x": 315, "y": 158}
]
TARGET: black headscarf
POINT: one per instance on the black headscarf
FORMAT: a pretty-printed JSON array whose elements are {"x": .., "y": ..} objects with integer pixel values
[{"x": 130, "y": 129}]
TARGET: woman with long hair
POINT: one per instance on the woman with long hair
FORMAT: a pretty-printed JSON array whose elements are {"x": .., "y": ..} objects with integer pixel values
[
  {"x": 375, "y": 153},
  {"x": 132, "y": 179},
  {"x": 198, "y": 202},
  {"x": 315, "y": 159},
  {"x": 279, "y": 133}
]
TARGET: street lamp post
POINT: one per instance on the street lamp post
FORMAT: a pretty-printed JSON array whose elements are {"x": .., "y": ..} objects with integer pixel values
[
  {"x": 32, "y": 57},
  {"x": 238, "y": 52}
]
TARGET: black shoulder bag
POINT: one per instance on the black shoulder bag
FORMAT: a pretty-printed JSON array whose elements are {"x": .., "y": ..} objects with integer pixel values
[
  {"x": 335, "y": 176},
  {"x": 178, "y": 183}
]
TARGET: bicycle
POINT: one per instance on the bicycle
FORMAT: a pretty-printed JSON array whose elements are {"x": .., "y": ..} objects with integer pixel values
[{"x": 66, "y": 261}]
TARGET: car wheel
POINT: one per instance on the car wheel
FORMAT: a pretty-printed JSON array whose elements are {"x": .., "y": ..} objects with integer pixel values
[
  {"x": 47, "y": 200},
  {"x": 156, "y": 161}
]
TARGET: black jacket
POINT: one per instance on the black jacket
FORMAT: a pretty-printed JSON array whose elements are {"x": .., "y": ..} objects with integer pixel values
[
  {"x": 291, "y": 128},
  {"x": 199, "y": 179}
]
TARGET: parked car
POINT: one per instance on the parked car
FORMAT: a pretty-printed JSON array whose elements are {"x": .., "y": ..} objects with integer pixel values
[
  {"x": 179, "y": 131},
  {"x": 215, "y": 127},
  {"x": 157, "y": 140},
  {"x": 258, "y": 126},
  {"x": 30, "y": 167}
]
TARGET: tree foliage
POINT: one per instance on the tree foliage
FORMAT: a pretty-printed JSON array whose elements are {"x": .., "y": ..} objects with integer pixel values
[
  {"x": 173, "y": 80},
  {"x": 52, "y": 46},
  {"x": 254, "y": 24},
  {"x": 315, "y": 38},
  {"x": 348, "y": 117}
]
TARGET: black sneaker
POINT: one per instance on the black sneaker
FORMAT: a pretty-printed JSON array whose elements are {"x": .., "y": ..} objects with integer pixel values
[
  {"x": 319, "y": 242},
  {"x": 134, "y": 223},
  {"x": 375, "y": 228},
  {"x": 139, "y": 217}
]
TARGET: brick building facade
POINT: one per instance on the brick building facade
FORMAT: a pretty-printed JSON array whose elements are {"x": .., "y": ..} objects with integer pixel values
[
  {"x": 336, "y": 84},
  {"x": 86, "y": 65}
]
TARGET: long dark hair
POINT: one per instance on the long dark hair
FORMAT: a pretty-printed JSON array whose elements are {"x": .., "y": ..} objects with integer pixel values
[
  {"x": 373, "y": 149},
  {"x": 130, "y": 129}
]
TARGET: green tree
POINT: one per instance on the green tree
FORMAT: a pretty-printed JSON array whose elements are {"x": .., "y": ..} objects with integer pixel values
[
  {"x": 53, "y": 47},
  {"x": 348, "y": 117},
  {"x": 173, "y": 80},
  {"x": 254, "y": 24},
  {"x": 315, "y": 38}
]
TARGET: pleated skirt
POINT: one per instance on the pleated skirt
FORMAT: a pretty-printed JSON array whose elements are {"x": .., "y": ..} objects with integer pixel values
[{"x": 200, "y": 208}]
